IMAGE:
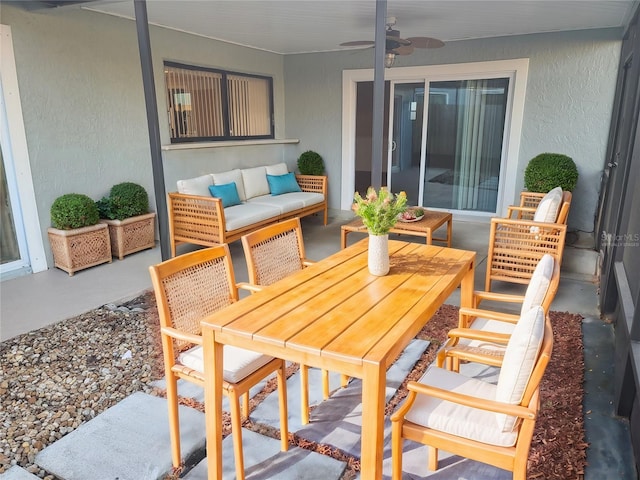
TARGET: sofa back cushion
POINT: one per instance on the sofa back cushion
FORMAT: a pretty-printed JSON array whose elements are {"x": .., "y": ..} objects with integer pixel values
[
  {"x": 255, "y": 182},
  {"x": 196, "y": 186},
  {"x": 226, "y": 192},
  {"x": 279, "y": 184},
  {"x": 228, "y": 177},
  {"x": 277, "y": 169}
]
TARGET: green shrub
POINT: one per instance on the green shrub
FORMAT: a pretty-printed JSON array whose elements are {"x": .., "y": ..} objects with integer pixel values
[
  {"x": 549, "y": 170},
  {"x": 125, "y": 200},
  {"x": 310, "y": 163},
  {"x": 73, "y": 210}
]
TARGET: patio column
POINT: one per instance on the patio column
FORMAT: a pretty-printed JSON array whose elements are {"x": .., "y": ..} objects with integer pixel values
[
  {"x": 144, "y": 45},
  {"x": 378, "y": 95}
]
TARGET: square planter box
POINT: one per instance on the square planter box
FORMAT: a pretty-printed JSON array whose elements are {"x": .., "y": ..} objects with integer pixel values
[
  {"x": 80, "y": 248},
  {"x": 131, "y": 234}
]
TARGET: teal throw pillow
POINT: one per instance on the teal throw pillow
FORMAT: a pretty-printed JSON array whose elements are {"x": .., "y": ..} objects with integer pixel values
[
  {"x": 279, "y": 184},
  {"x": 227, "y": 192}
]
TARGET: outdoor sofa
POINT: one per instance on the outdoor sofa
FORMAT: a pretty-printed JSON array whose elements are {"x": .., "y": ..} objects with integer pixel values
[{"x": 246, "y": 200}]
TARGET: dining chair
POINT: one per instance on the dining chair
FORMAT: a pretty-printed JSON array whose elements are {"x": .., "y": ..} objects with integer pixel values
[
  {"x": 482, "y": 334},
  {"x": 476, "y": 419},
  {"x": 188, "y": 288},
  {"x": 272, "y": 253}
]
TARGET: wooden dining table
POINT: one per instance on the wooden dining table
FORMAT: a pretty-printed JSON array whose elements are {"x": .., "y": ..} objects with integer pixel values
[{"x": 336, "y": 316}]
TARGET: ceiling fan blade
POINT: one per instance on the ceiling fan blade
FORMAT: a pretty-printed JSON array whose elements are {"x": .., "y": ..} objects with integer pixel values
[
  {"x": 404, "y": 50},
  {"x": 425, "y": 42},
  {"x": 357, "y": 43}
]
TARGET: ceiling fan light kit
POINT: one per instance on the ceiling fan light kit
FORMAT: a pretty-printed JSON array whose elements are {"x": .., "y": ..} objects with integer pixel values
[{"x": 395, "y": 45}]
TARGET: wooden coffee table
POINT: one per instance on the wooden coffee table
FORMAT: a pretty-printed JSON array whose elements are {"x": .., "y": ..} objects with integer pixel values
[{"x": 429, "y": 223}]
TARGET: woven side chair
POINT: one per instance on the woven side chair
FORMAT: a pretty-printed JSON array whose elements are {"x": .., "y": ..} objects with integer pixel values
[
  {"x": 187, "y": 289},
  {"x": 272, "y": 253},
  {"x": 482, "y": 334},
  {"x": 486, "y": 422}
]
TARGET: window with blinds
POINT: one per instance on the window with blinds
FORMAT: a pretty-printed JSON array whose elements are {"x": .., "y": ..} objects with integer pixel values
[{"x": 205, "y": 104}]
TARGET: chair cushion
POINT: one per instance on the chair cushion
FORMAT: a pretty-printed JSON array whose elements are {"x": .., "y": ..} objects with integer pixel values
[
  {"x": 539, "y": 283},
  {"x": 237, "y": 363},
  {"x": 449, "y": 417},
  {"x": 279, "y": 184},
  {"x": 196, "y": 186},
  {"x": 227, "y": 192},
  {"x": 547, "y": 210},
  {"x": 518, "y": 362},
  {"x": 228, "y": 177},
  {"x": 277, "y": 169},
  {"x": 487, "y": 325},
  {"x": 255, "y": 182},
  {"x": 246, "y": 214}
]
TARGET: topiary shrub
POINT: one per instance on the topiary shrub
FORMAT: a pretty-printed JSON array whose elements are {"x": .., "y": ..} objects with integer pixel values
[
  {"x": 310, "y": 163},
  {"x": 125, "y": 200},
  {"x": 549, "y": 170},
  {"x": 74, "y": 210}
]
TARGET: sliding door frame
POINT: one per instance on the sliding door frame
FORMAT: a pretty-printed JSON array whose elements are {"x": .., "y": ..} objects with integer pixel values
[{"x": 517, "y": 71}]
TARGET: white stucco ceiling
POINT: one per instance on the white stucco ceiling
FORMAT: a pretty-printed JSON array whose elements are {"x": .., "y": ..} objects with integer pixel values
[{"x": 299, "y": 26}]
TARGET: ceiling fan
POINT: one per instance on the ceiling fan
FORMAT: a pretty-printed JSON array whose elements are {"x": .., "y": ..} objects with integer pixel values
[{"x": 396, "y": 45}]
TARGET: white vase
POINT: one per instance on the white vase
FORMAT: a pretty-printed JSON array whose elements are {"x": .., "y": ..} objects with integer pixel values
[{"x": 378, "y": 254}]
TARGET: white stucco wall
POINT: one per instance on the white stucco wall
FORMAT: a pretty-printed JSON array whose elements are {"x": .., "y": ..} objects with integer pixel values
[
  {"x": 83, "y": 103},
  {"x": 568, "y": 106},
  {"x": 86, "y": 127}
]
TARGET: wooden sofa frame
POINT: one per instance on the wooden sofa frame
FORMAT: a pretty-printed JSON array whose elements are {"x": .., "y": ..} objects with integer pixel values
[{"x": 200, "y": 220}]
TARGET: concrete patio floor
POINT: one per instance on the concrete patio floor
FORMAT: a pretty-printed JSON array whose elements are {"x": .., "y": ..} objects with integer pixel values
[{"x": 33, "y": 301}]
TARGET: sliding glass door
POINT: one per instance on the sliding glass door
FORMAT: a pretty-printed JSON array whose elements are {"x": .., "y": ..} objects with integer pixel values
[
  {"x": 444, "y": 148},
  {"x": 465, "y": 132}
]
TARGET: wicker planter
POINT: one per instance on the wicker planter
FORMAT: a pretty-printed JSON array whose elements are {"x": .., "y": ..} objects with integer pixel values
[
  {"x": 131, "y": 234},
  {"x": 80, "y": 248}
]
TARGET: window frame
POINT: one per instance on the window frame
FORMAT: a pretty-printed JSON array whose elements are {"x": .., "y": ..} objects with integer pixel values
[{"x": 225, "y": 109}]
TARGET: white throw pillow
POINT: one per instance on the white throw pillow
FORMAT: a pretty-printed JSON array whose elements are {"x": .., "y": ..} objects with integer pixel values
[
  {"x": 255, "y": 182},
  {"x": 519, "y": 359},
  {"x": 539, "y": 283},
  {"x": 277, "y": 169},
  {"x": 549, "y": 206},
  {"x": 228, "y": 177},
  {"x": 196, "y": 186}
]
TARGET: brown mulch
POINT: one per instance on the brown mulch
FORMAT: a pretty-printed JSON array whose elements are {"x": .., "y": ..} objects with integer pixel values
[{"x": 558, "y": 449}]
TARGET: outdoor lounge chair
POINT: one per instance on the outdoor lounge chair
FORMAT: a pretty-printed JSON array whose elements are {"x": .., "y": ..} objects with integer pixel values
[
  {"x": 188, "y": 288},
  {"x": 516, "y": 245},
  {"x": 489, "y": 423},
  {"x": 272, "y": 253},
  {"x": 482, "y": 334},
  {"x": 529, "y": 202}
]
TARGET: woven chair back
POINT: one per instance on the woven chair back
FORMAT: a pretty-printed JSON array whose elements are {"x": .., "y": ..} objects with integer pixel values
[
  {"x": 274, "y": 252},
  {"x": 199, "y": 284}
]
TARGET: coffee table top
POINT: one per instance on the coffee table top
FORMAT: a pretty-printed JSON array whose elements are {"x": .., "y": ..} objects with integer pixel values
[{"x": 431, "y": 220}]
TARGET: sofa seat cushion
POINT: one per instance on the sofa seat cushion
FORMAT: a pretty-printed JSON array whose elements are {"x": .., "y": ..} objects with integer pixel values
[
  {"x": 196, "y": 186},
  {"x": 284, "y": 203},
  {"x": 247, "y": 214},
  {"x": 455, "y": 419},
  {"x": 237, "y": 363}
]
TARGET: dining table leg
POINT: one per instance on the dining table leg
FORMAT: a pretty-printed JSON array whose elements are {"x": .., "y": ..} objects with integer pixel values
[
  {"x": 373, "y": 396},
  {"x": 467, "y": 286},
  {"x": 212, "y": 356}
]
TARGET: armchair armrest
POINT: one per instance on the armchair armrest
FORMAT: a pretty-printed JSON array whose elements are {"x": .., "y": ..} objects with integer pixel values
[
  {"x": 249, "y": 286},
  {"x": 521, "y": 212},
  {"x": 469, "y": 401},
  {"x": 471, "y": 334},
  {"x": 466, "y": 312},
  {"x": 498, "y": 297},
  {"x": 180, "y": 335}
]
